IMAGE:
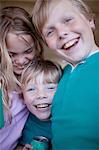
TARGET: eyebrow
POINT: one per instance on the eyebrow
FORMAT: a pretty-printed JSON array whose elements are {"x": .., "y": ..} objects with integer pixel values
[
  {"x": 30, "y": 46},
  {"x": 49, "y": 28}
]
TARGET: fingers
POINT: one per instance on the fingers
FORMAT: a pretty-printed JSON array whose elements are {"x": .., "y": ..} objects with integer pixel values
[{"x": 28, "y": 147}]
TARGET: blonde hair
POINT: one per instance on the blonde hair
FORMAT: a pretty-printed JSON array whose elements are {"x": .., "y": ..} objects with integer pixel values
[
  {"x": 7, "y": 79},
  {"x": 42, "y": 9},
  {"x": 6, "y": 67},
  {"x": 15, "y": 20},
  {"x": 18, "y": 21},
  {"x": 52, "y": 72},
  {"x": 6, "y": 85}
]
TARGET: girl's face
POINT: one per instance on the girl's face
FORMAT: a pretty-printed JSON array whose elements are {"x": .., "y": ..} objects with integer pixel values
[
  {"x": 69, "y": 32},
  {"x": 38, "y": 97},
  {"x": 21, "y": 50}
]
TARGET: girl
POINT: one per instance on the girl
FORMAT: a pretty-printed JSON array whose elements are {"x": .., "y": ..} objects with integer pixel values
[
  {"x": 18, "y": 38},
  {"x": 19, "y": 46},
  {"x": 15, "y": 113}
]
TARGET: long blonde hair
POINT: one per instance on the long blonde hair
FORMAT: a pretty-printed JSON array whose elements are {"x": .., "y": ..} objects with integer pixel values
[
  {"x": 18, "y": 21},
  {"x": 7, "y": 80}
]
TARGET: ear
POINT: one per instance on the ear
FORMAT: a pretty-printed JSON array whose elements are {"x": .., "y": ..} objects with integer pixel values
[{"x": 92, "y": 24}]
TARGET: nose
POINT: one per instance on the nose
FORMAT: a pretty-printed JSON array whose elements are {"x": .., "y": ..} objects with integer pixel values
[
  {"x": 21, "y": 60},
  {"x": 41, "y": 95},
  {"x": 62, "y": 31},
  {"x": 62, "y": 35}
]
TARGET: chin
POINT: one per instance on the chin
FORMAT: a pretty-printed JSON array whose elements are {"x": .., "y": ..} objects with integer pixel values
[
  {"x": 18, "y": 73},
  {"x": 43, "y": 118}
]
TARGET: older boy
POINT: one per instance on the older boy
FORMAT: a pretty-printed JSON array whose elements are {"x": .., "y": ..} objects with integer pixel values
[{"x": 67, "y": 27}]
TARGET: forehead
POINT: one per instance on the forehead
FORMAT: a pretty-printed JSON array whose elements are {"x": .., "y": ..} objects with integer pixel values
[
  {"x": 18, "y": 42},
  {"x": 59, "y": 9},
  {"x": 40, "y": 77},
  {"x": 37, "y": 78}
]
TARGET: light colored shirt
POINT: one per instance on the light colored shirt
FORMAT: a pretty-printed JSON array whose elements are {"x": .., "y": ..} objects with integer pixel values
[{"x": 11, "y": 132}]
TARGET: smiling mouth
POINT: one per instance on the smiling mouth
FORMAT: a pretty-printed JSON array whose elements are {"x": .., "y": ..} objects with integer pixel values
[
  {"x": 19, "y": 68},
  {"x": 70, "y": 44},
  {"x": 44, "y": 105}
]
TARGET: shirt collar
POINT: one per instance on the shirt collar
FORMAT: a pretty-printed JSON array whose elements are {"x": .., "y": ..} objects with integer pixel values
[{"x": 83, "y": 61}]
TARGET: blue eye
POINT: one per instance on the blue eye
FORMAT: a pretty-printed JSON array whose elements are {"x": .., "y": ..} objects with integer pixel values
[
  {"x": 49, "y": 32},
  {"x": 31, "y": 89},
  {"x": 51, "y": 87},
  {"x": 67, "y": 20}
]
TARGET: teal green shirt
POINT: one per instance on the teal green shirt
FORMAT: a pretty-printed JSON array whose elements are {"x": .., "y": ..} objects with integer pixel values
[
  {"x": 75, "y": 110},
  {"x": 35, "y": 127}
]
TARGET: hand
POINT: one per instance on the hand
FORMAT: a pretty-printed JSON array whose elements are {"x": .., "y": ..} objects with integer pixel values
[{"x": 27, "y": 147}]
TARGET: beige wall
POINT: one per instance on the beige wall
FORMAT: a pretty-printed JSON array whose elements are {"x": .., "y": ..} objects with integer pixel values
[{"x": 28, "y": 5}]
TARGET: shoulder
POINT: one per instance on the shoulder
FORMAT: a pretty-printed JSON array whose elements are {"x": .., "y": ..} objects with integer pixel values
[{"x": 17, "y": 103}]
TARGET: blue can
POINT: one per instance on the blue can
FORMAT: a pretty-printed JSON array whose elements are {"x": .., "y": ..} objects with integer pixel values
[{"x": 40, "y": 143}]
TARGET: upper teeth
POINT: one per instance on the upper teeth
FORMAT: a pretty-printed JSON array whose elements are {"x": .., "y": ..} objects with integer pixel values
[
  {"x": 42, "y": 105},
  {"x": 70, "y": 43}
]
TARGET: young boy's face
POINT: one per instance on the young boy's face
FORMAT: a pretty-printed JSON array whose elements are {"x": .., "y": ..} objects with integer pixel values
[
  {"x": 69, "y": 32},
  {"x": 38, "y": 97}
]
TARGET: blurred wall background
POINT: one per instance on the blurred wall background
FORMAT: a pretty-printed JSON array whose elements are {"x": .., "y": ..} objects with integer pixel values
[{"x": 28, "y": 5}]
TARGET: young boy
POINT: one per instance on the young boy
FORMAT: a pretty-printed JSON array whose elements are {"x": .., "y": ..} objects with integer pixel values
[
  {"x": 39, "y": 83},
  {"x": 67, "y": 27}
]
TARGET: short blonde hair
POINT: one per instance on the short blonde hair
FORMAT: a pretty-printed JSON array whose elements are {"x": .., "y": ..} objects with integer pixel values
[
  {"x": 41, "y": 11},
  {"x": 52, "y": 72}
]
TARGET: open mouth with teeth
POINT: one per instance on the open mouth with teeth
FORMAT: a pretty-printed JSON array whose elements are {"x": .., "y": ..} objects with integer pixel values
[
  {"x": 43, "y": 105},
  {"x": 70, "y": 44}
]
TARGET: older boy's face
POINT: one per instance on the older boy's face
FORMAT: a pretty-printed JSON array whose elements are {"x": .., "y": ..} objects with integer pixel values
[
  {"x": 38, "y": 97},
  {"x": 69, "y": 33}
]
